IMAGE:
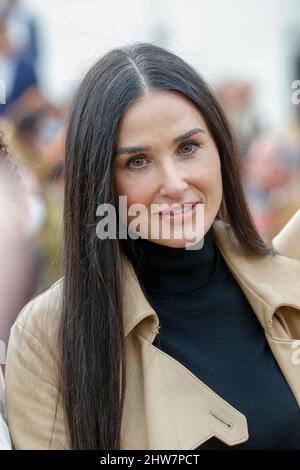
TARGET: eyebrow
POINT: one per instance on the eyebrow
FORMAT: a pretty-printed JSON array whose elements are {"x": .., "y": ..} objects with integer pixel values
[{"x": 139, "y": 148}]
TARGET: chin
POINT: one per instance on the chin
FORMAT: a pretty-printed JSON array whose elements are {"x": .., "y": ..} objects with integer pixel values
[{"x": 178, "y": 243}]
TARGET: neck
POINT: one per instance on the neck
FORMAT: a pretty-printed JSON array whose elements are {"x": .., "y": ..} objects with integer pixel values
[{"x": 165, "y": 270}]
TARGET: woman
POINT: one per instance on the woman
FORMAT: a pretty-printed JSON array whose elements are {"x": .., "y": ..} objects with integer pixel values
[{"x": 156, "y": 342}]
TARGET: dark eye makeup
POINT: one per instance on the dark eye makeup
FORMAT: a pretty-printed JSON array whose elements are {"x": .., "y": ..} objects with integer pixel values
[{"x": 129, "y": 162}]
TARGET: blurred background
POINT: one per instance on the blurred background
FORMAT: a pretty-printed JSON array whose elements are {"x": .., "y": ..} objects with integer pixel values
[{"x": 248, "y": 50}]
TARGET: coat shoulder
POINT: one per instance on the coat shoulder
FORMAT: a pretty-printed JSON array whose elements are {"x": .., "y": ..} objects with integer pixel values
[
  {"x": 271, "y": 278},
  {"x": 42, "y": 313},
  {"x": 287, "y": 240}
]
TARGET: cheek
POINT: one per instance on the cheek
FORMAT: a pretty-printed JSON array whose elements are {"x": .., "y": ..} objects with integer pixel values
[
  {"x": 135, "y": 189},
  {"x": 216, "y": 186},
  {"x": 208, "y": 178},
  {"x": 216, "y": 180}
]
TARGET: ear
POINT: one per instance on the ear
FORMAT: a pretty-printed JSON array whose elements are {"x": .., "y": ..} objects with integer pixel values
[{"x": 287, "y": 241}]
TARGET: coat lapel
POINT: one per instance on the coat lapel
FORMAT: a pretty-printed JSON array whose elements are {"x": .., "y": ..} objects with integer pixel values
[{"x": 166, "y": 406}]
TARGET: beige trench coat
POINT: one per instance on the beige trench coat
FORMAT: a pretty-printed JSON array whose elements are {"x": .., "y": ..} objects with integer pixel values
[{"x": 166, "y": 406}]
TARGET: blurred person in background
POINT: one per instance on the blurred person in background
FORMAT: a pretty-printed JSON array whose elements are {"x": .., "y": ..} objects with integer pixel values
[
  {"x": 38, "y": 141},
  {"x": 23, "y": 29},
  {"x": 236, "y": 97},
  {"x": 36, "y": 138},
  {"x": 272, "y": 180},
  {"x": 21, "y": 213},
  {"x": 18, "y": 262},
  {"x": 17, "y": 72}
]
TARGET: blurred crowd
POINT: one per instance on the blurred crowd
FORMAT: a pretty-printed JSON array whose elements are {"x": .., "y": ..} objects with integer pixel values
[
  {"x": 270, "y": 160},
  {"x": 31, "y": 205},
  {"x": 31, "y": 188}
]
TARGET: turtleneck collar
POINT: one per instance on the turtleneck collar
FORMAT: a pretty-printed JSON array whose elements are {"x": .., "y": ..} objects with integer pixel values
[{"x": 165, "y": 270}]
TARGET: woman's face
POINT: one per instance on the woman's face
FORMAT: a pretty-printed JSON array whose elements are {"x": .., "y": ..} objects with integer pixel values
[{"x": 168, "y": 168}]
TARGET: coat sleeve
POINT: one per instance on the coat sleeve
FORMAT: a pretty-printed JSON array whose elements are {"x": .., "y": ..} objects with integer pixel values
[
  {"x": 33, "y": 403},
  {"x": 287, "y": 241}
]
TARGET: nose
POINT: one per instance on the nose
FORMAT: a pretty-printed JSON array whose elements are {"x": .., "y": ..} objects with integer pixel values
[{"x": 172, "y": 182}]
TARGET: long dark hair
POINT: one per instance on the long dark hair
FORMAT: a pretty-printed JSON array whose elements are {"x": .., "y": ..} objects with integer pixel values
[{"x": 91, "y": 335}]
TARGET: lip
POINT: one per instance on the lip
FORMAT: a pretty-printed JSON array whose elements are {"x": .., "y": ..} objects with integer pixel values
[
  {"x": 177, "y": 205},
  {"x": 167, "y": 215}
]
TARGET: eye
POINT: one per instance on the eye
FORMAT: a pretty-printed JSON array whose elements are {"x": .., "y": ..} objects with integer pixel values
[
  {"x": 136, "y": 162},
  {"x": 193, "y": 146},
  {"x": 131, "y": 162}
]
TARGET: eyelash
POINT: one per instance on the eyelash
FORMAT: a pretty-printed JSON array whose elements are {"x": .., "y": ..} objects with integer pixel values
[{"x": 130, "y": 160}]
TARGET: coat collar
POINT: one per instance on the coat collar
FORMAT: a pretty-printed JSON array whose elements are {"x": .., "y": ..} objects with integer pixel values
[{"x": 268, "y": 282}]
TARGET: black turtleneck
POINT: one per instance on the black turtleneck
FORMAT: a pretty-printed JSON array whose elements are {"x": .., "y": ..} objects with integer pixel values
[
  {"x": 165, "y": 270},
  {"x": 208, "y": 325}
]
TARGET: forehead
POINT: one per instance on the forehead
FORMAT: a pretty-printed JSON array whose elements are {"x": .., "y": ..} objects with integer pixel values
[{"x": 160, "y": 114}]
